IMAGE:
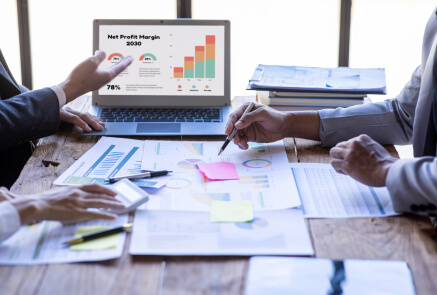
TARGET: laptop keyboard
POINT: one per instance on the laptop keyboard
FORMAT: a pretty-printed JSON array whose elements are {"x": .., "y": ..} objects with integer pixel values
[{"x": 160, "y": 115}]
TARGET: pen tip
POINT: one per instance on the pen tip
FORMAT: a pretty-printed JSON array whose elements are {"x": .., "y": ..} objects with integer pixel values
[{"x": 220, "y": 152}]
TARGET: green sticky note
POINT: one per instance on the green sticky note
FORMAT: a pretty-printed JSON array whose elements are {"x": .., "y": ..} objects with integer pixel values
[
  {"x": 107, "y": 242},
  {"x": 234, "y": 211}
]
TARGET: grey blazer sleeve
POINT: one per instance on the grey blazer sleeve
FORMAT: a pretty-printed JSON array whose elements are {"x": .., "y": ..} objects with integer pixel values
[
  {"x": 28, "y": 116},
  {"x": 412, "y": 183},
  {"x": 387, "y": 122}
]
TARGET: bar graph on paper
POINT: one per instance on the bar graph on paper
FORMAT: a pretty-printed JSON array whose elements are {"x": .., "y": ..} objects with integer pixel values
[
  {"x": 108, "y": 158},
  {"x": 326, "y": 194}
]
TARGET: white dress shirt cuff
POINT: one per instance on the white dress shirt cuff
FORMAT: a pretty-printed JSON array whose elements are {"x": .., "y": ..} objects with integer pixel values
[
  {"x": 60, "y": 94},
  {"x": 9, "y": 220}
]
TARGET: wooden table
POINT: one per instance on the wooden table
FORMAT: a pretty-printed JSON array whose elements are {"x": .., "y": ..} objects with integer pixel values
[{"x": 405, "y": 238}]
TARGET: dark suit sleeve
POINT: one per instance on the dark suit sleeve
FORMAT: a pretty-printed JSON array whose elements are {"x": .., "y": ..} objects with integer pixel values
[{"x": 28, "y": 116}]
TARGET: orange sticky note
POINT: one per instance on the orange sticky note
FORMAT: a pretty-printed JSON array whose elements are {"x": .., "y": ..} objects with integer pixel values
[{"x": 219, "y": 171}]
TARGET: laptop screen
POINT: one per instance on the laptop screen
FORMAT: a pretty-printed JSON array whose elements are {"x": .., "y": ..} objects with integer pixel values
[{"x": 171, "y": 58}]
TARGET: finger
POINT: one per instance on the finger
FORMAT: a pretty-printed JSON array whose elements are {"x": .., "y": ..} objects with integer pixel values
[
  {"x": 338, "y": 153},
  {"x": 99, "y": 57},
  {"x": 97, "y": 188},
  {"x": 76, "y": 120},
  {"x": 69, "y": 117},
  {"x": 119, "y": 67},
  {"x": 338, "y": 166},
  {"x": 342, "y": 144},
  {"x": 92, "y": 121},
  {"x": 97, "y": 202},
  {"x": 243, "y": 144},
  {"x": 86, "y": 215},
  {"x": 233, "y": 118},
  {"x": 249, "y": 118}
]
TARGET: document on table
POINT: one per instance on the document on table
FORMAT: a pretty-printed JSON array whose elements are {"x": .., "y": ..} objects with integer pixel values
[
  {"x": 265, "y": 177},
  {"x": 281, "y": 232},
  {"x": 309, "y": 276},
  {"x": 42, "y": 243},
  {"x": 327, "y": 194},
  {"x": 109, "y": 157},
  {"x": 296, "y": 78}
]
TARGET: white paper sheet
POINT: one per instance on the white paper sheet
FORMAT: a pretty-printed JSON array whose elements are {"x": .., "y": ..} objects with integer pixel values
[
  {"x": 265, "y": 177},
  {"x": 109, "y": 157},
  {"x": 309, "y": 276},
  {"x": 327, "y": 194},
  {"x": 42, "y": 243},
  {"x": 280, "y": 232}
]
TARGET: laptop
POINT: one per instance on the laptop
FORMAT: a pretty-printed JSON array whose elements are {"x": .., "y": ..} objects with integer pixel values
[{"x": 178, "y": 83}]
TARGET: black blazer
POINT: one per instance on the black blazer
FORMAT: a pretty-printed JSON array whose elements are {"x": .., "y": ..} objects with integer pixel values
[{"x": 24, "y": 116}]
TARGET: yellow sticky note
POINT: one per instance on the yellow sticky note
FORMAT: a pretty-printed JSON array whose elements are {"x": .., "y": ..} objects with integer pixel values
[
  {"x": 107, "y": 242},
  {"x": 234, "y": 211}
]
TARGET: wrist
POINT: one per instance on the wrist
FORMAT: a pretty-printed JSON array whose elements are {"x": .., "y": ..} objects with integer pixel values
[
  {"x": 69, "y": 90},
  {"x": 386, "y": 168},
  {"x": 302, "y": 124},
  {"x": 27, "y": 209}
]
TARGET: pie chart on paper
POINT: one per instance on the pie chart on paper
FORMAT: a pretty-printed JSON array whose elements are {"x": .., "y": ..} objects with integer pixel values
[
  {"x": 189, "y": 163},
  {"x": 256, "y": 223}
]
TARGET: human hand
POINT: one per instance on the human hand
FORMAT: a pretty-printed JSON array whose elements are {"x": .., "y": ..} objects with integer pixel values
[
  {"x": 68, "y": 204},
  {"x": 87, "y": 77},
  {"x": 5, "y": 195},
  {"x": 363, "y": 159},
  {"x": 262, "y": 124},
  {"x": 85, "y": 121}
]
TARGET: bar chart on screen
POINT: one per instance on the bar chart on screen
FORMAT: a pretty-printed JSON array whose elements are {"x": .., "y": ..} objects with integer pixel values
[{"x": 201, "y": 64}]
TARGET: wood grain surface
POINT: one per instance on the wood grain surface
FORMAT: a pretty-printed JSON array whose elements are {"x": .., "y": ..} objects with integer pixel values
[{"x": 405, "y": 238}]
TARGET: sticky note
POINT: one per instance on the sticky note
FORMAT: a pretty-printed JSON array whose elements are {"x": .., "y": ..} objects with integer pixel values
[
  {"x": 233, "y": 211},
  {"x": 219, "y": 170},
  {"x": 107, "y": 242}
]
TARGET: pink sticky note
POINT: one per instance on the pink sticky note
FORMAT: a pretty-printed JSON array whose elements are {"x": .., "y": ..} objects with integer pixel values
[{"x": 219, "y": 170}]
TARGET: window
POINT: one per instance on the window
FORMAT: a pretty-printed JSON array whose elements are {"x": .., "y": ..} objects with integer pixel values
[
  {"x": 290, "y": 32},
  {"x": 388, "y": 34},
  {"x": 61, "y": 31},
  {"x": 9, "y": 38}
]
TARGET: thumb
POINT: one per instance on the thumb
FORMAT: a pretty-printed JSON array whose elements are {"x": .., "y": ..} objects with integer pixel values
[
  {"x": 249, "y": 118},
  {"x": 99, "y": 56}
]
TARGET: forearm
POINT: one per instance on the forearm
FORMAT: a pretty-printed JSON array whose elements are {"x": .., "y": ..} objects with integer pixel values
[
  {"x": 28, "y": 116},
  {"x": 381, "y": 121},
  {"x": 305, "y": 124}
]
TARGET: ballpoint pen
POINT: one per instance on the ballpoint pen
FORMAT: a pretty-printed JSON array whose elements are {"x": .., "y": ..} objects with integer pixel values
[
  {"x": 98, "y": 234},
  {"x": 234, "y": 131},
  {"x": 139, "y": 175}
]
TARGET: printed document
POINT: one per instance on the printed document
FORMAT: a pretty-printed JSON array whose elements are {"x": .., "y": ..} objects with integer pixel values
[
  {"x": 327, "y": 194},
  {"x": 109, "y": 157},
  {"x": 309, "y": 276},
  {"x": 280, "y": 232},
  {"x": 42, "y": 243},
  {"x": 265, "y": 177}
]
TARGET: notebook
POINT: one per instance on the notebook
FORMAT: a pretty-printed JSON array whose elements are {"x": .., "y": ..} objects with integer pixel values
[{"x": 178, "y": 83}]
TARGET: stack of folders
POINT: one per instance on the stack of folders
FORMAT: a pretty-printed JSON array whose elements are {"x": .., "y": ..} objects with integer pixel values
[
  {"x": 310, "y": 88},
  {"x": 295, "y": 101}
]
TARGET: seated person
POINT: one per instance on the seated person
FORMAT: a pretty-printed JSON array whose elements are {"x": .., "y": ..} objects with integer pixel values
[
  {"x": 358, "y": 132},
  {"x": 63, "y": 204},
  {"x": 26, "y": 116}
]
